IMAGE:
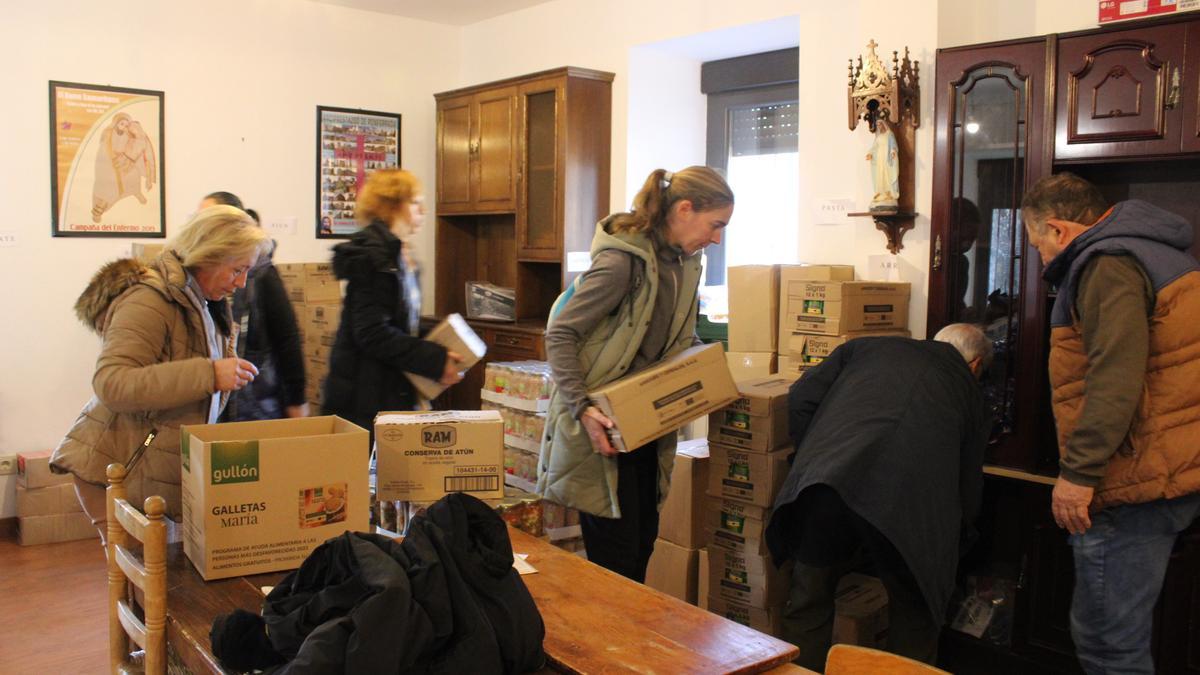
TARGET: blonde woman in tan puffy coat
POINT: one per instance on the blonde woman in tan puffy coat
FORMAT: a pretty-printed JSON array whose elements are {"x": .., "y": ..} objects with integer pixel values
[{"x": 167, "y": 357}]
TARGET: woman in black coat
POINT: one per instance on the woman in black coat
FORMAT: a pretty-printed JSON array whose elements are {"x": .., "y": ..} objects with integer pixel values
[{"x": 377, "y": 339}]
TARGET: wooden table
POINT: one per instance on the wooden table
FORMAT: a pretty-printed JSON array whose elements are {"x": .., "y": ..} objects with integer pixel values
[{"x": 596, "y": 621}]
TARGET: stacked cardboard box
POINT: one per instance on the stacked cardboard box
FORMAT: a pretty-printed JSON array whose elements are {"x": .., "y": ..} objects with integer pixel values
[
  {"x": 316, "y": 297},
  {"x": 674, "y": 568},
  {"x": 821, "y": 307},
  {"x": 748, "y": 446},
  {"x": 753, "y": 320},
  {"x": 47, "y": 509}
]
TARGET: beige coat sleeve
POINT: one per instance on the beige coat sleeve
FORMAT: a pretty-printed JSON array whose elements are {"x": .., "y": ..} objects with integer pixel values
[{"x": 135, "y": 372}]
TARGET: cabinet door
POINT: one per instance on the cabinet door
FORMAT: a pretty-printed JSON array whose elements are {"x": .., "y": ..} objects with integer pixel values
[
  {"x": 1114, "y": 93},
  {"x": 495, "y": 151},
  {"x": 1188, "y": 89},
  {"x": 539, "y": 212},
  {"x": 454, "y": 155},
  {"x": 988, "y": 148}
]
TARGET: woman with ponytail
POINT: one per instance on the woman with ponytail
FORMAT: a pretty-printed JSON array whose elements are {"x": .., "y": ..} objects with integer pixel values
[{"x": 634, "y": 307}]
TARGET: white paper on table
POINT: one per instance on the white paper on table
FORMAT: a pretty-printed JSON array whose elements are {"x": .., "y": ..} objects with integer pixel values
[{"x": 521, "y": 565}]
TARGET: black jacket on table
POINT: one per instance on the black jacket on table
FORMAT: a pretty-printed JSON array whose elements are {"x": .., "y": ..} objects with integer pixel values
[
  {"x": 373, "y": 348},
  {"x": 444, "y": 600},
  {"x": 270, "y": 339},
  {"x": 897, "y": 427}
]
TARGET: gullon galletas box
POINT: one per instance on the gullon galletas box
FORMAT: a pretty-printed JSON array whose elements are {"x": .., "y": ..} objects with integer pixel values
[
  {"x": 260, "y": 496},
  {"x": 423, "y": 456}
]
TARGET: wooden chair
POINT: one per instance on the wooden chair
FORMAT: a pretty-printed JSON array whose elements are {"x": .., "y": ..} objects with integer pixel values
[
  {"x": 846, "y": 659},
  {"x": 148, "y": 574}
]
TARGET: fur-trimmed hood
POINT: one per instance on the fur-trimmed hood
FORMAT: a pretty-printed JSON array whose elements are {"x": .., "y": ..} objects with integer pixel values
[
  {"x": 107, "y": 285},
  {"x": 164, "y": 274}
]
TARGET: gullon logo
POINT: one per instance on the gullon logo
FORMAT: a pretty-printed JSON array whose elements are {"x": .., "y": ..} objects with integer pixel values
[
  {"x": 234, "y": 462},
  {"x": 235, "y": 474},
  {"x": 438, "y": 436}
]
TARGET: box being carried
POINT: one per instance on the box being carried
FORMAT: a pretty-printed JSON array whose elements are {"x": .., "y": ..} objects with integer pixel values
[
  {"x": 422, "y": 456},
  {"x": 260, "y": 496},
  {"x": 455, "y": 335},
  {"x": 664, "y": 397},
  {"x": 836, "y": 307},
  {"x": 757, "y": 420}
]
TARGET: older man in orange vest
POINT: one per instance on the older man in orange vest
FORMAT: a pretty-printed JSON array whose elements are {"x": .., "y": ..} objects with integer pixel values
[{"x": 1124, "y": 368}]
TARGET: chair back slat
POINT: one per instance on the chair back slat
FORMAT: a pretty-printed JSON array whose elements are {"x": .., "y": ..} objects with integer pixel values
[
  {"x": 134, "y": 521},
  {"x": 132, "y": 625},
  {"x": 149, "y": 574},
  {"x": 131, "y": 567},
  {"x": 844, "y": 659}
]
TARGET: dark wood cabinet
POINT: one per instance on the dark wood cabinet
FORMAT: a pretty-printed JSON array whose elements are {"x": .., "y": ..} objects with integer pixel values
[
  {"x": 1103, "y": 104},
  {"x": 524, "y": 205},
  {"x": 1120, "y": 93},
  {"x": 476, "y": 158}
]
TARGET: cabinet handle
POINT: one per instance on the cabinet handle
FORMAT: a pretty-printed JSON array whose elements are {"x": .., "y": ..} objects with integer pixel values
[
  {"x": 1173, "y": 90},
  {"x": 473, "y": 148},
  {"x": 937, "y": 253}
]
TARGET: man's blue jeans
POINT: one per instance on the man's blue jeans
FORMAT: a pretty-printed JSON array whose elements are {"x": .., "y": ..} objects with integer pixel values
[{"x": 1119, "y": 568}]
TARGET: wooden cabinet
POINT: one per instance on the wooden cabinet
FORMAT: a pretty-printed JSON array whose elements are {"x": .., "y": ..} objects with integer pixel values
[
  {"x": 476, "y": 152},
  {"x": 1120, "y": 93},
  {"x": 1102, "y": 104},
  {"x": 508, "y": 214}
]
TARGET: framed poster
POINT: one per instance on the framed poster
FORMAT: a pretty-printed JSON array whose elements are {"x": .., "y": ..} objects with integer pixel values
[
  {"x": 350, "y": 144},
  {"x": 106, "y": 161}
]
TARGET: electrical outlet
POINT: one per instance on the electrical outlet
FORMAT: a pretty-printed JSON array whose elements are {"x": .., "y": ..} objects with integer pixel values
[{"x": 8, "y": 465}]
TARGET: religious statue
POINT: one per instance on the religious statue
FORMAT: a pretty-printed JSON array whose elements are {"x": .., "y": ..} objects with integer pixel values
[{"x": 885, "y": 169}]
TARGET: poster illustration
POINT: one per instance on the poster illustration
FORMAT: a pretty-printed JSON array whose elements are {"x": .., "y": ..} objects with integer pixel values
[
  {"x": 106, "y": 162},
  {"x": 350, "y": 145}
]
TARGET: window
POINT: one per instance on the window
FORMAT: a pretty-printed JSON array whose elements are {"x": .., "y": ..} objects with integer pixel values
[{"x": 753, "y": 136}]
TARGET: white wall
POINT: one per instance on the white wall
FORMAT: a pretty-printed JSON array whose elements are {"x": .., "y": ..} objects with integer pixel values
[{"x": 242, "y": 80}]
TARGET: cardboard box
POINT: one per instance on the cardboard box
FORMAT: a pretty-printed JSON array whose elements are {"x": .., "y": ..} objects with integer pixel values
[
  {"x": 455, "y": 335},
  {"x": 1112, "y": 11},
  {"x": 663, "y": 398},
  {"x": 836, "y": 307},
  {"x": 749, "y": 365},
  {"x": 702, "y": 580},
  {"x": 33, "y": 470},
  {"x": 51, "y": 529},
  {"x": 806, "y": 350},
  {"x": 736, "y": 526},
  {"x": 769, "y": 620},
  {"x": 757, "y": 420},
  {"x": 681, "y": 520},
  {"x": 747, "y": 578},
  {"x": 792, "y": 279},
  {"x": 673, "y": 570},
  {"x": 146, "y": 252},
  {"x": 321, "y": 322},
  {"x": 751, "y": 477},
  {"x": 423, "y": 456},
  {"x": 861, "y": 615},
  {"x": 260, "y": 496},
  {"x": 310, "y": 283},
  {"x": 754, "y": 318},
  {"x": 47, "y": 501}
]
